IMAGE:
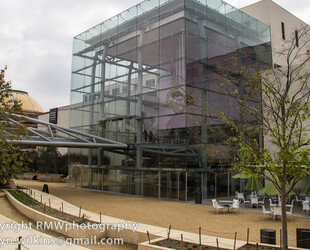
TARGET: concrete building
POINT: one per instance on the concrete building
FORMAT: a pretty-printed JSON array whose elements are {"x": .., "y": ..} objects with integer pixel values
[
  {"x": 283, "y": 26},
  {"x": 141, "y": 78}
]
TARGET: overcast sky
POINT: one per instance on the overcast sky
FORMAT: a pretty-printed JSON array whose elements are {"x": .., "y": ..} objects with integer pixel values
[{"x": 36, "y": 40}]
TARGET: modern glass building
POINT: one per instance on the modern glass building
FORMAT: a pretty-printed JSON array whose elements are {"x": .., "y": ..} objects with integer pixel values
[{"x": 151, "y": 77}]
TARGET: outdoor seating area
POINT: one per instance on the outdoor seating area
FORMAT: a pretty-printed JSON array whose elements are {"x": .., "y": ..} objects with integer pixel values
[
  {"x": 276, "y": 211},
  {"x": 265, "y": 203},
  {"x": 268, "y": 198},
  {"x": 229, "y": 205},
  {"x": 268, "y": 205}
]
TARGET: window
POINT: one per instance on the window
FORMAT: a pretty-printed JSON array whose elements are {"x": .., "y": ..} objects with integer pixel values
[
  {"x": 152, "y": 93},
  {"x": 115, "y": 91},
  {"x": 296, "y": 38},
  {"x": 125, "y": 89},
  {"x": 150, "y": 83},
  {"x": 107, "y": 92},
  {"x": 276, "y": 66},
  {"x": 85, "y": 98},
  {"x": 283, "y": 30}
]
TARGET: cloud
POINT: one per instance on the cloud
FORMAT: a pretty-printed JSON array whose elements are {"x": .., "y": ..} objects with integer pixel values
[{"x": 36, "y": 42}]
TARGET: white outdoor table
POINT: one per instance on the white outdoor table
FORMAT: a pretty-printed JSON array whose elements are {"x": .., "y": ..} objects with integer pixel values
[{"x": 226, "y": 203}]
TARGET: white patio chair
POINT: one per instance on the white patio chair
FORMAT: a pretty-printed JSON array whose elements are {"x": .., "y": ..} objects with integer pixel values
[
  {"x": 292, "y": 204},
  {"x": 290, "y": 213},
  {"x": 297, "y": 199},
  {"x": 216, "y": 206},
  {"x": 271, "y": 204},
  {"x": 276, "y": 211},
  {"x": 236, "y": 194},
  {"x": 235, "y": 205},
  {"x": 262, "y": 202},
  {"x": 240, "y": 197},
  {"x": 305, "y": 206},
  {"x": 265, "y": 211},
  {"x": 254, "y": 202}
]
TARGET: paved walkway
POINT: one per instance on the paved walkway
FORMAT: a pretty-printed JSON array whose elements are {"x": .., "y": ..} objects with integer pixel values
[{"x": 58, "y": 203}]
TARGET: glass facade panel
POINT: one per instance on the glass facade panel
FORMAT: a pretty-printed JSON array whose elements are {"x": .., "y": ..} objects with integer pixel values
[
  {"x": 182, "y": 186},
  {"x": 74, "y": 174},
  {"x": 211, "y": 185},
  {"x": 193, "y": 184},
  {"x": 109, "y": 180},
  {"x": 136, "y": 182},
  {"x": 150, "y": 183},
  {"x": 222, "y": 184},
  {"x": 85, "y": 177},
  {"x": 234, "y": 184},
  {"x": 97, "y": 179},
  {"x": 122, "y": 181},
  {"x": 151, "y": 77},
  {"x": 169, "y": 185}
]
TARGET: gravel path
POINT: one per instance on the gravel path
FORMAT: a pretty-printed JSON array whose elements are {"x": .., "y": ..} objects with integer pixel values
[{"x": 182, "y": 216}]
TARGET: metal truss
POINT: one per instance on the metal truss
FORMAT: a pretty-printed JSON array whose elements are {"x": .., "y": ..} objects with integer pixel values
[
  {"x": 162, "y": 149},
  {"x": 172, "y": 150},
  {"x": 41, "y": 133}
]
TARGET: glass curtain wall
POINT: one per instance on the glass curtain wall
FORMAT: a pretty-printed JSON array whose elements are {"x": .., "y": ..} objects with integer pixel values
[{"x": 149, "y": 77}]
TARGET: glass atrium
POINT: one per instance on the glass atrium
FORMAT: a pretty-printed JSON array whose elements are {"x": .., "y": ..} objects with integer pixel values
[{"x": 149, "y": 77}]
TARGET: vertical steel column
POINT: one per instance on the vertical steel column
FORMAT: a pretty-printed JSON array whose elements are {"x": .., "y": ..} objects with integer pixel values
[
  {"x": 102, "y": 89},
  {"x": 127, "y": 126},
  {"x": 92, "y": 90},
  {"x": 91, "y": 115},
  {"x": 139, "y": 100},
  {"x": 102, "y": 85},
  {"x": 203, "y": 51}
]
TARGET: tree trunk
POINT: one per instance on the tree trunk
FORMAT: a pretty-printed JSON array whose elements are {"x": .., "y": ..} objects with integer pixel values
[{"x": 283, "y": 217}]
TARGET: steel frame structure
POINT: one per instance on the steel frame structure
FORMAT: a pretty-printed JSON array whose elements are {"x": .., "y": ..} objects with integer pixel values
[{"x": 49, "y": 134}]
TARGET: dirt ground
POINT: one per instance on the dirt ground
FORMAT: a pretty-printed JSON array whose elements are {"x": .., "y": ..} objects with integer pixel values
[{"x": 182, "y": 216}]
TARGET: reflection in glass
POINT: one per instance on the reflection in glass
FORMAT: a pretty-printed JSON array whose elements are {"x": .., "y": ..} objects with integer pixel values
[{"x": 152, "y": 77}]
